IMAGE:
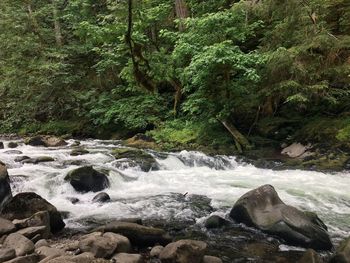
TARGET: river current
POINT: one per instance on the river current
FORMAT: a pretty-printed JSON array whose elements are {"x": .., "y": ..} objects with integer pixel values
[{"x": 153, "y": 195}]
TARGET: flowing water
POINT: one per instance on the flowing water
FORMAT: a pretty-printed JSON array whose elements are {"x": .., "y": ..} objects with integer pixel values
[{"x": 159, "y": 194}]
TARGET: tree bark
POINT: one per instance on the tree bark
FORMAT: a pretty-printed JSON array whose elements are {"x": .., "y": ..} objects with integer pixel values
[
  {"x": 57, "y": 24},
  {"x": 182, "y": 12},
  {"x": 241, "y": 142}
]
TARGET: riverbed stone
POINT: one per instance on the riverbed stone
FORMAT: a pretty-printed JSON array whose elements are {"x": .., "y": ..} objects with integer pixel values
[
  {"x": 262, "y": 208},
  {"x": 101, "y": 246},
  {"x": 13, "y": 152},
  {"x": 5, "y": 189},
  {"x": 19, "y": 243},
  {"x": 12, "y": 145},
  {"x": 33, "y": 258},
  {"x": 1, "y": 145},
  {"x": 211, "y": 259},
  {"x": 41, "y": 218},
  {"x": 79, "y": 151},
  {"x": 7, "y": 254},
  {"x": 41, "y": 243},
  {"x": 184, "y": 251},
  {"x": 342, "y": 254},
  {"x": 25, "y": 205},
  {"x": 155, "y": 251},
  {"x": 127, "y": 258},
  {"x": 136, "y": 158},
  {"x": 216, "y": 221},
  {"x": 86, "y": 179},
  {"x": 35, "y": 232},
  {"x": 47, "y": 141},
  {"x": 139, "y": 235},
  {"x": 46, "y": 251},
  {"x": 101, "y": 198},
  {"x": 6, "y": 226},
  {"x": 19, "y": 159},
  {"x": 310, "y": 256}
]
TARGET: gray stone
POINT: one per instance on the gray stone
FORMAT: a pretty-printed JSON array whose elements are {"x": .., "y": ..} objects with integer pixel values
[
  {"x": 6, "y": 227},
  {"x": 215, "y": 221},
  {"x": 41, "y": 243},
  {"x": 101, "y": 198},
  {"x": 183, "y": 251},
  {"x": 41, "y": 159},
  {"x": 33, "y": 258},
  {"x": 31, "y": 232},
  {"x": 123, "y": 243},
  {"x": 21, "y": 158},
  {"x": 5, "y": 189},
  {"x": 49, "y": 252},
  {"x": 12, "y": 145},
  {"x": 7, "y": 254},
  {"x": 155, "y": 251},
  {"x": 127, "y": 258},
  {"x": 139, "y": 235},
  {"x": 99, "y": 246},
  {"x": 19, "y": 243},
  {"x": 41, "y": 218},
  {"x": 210, "y": 259},
  {"x": 262, "y": 208}
]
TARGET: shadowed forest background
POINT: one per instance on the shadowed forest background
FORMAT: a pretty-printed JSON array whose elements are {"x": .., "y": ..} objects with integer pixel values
[{"x": 217, "y": 73}]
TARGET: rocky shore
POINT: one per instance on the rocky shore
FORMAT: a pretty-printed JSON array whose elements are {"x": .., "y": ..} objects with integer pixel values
[{"x": 33, "y": 230}]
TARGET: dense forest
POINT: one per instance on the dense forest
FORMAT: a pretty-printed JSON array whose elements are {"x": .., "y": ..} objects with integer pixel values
[{"x": 186, "y": 72}]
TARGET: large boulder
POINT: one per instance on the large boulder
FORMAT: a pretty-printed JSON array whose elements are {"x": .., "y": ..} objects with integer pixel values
[
  {"x": 5, "y": 189},
  {"x": 6, "y": 227},
  {"x": 7, "y": 254},
  {"x": 342, "y": 254},
  {"x": 25, "y": 205},
  {"x": 19, "y": 243},
  {"x": 47, "y": 141},
  {"x": 184, "y": 251},
  {"x": 139, "y": 235},
  {"x": 135, "y": 158},
  {"x": 86, "y": 179},
  {"x": 1, "y": 145},
  {"x": 262, "y": 208}
]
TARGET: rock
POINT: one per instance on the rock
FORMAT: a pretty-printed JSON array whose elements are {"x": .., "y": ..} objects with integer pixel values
[
  {"x": 12, "y": 145},
  {"x": 47, "y": 141},
  {"x": 295, "y": 150},
  {"x": 13, "y": 152},
  {"x": 342, "y": 254},
  {"x": 141, "y": 141},
  {"x": 215, "y": 221},
  {"x": 5, "y": 189},
  {"x": 73, "y": 200},
  {"x": 79, "y": 151},
  {"x": 33, "y": 258},
  {"x": 1, "y": 145},
  {"x": 41, "y": 218},
  {"x": 183, "y": 251},
  {"x": 137, "y": 234},
  {"x": 100, "y": 245},
  {"x": 7, "y": 254},
  {"x": 6, "y": 227},
  {"x": 155, "y": 251},
  {"x": 31, "y": 232},
  {"x": 41, "y": 159},
  {"x": 19, "y": 159},
  {"x": 19, "y": 243},
  {"x": 262, "y": 208},
  {"x": 86, "y": 179},
  {"x": 127, "y": 258},
  {"x": 101, "y": 198},
  {"x": 49, "y": 252},
  {"x": 41, "y": 243},
  {"x": 210, "y": 259},
  {"x": 310, "y": 256},
  {"x": 136, "y": 157},
  {"x": 25, "y": 205}
]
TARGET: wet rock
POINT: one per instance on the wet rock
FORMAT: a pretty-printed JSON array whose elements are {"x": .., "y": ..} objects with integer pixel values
[
  {"x": 210, "y": 259},
  {"x": 155, "y": 251},
  {"x": 136, "y": 157},
  {"x": 342, "y": 254},
  {"x": 1, "y": 145},
  {"x": 25, "y": 205},
  {"x": 75, "y": 162},
  {"x": 310, "y": 256},
  {"x": 137, "y": 234},
  {"x": 101, "y": 198},
  {"x": 215, "y": 221},
  {"x": 13, "y": 152},
  {"x": 7, "y": 254},
  {"x": 86, "y": 179},
  {"x": 5, "y": 189},
  {"x": 104, "y": 245},
  {"x": 12, "y": 145},
  {"x": 141, "y": 141},
  {"x": 19, "y": 243},
  {"x": 296, "y": 150},
  {"x": 35, "y": 141},
  {"x": 41, "y": 159},
  {"x": 73, "y": 200},
  {"x": 47, "y": 141},
  {"x": 79, "y": 151},
  {"x": 41, "y": 218},
  {"x": 184, "y": 251},
  {"x": 35, "y": 232},
  {"x": 127, "y": 258},
  {"x": 33, "y": 258},
  {"x": 19, "y": 159},
  {"x": 6, "y": 227},
  {"x": 262, "y": 208}
]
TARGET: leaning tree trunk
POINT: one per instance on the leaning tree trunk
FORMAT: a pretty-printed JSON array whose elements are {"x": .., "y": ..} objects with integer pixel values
[{"x": 241, "y": 142}]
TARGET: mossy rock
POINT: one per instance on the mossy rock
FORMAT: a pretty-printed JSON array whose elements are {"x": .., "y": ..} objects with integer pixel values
[{"x": 136, "y": 157}]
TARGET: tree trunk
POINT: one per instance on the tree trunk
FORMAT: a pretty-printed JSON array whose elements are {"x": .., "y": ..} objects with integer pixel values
[
  {"x": 182, "y": 12},
  {"x": 241, "y": 142},
  {"x": 34, "y": 22},
  {"x": 57, "y": 24}
]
